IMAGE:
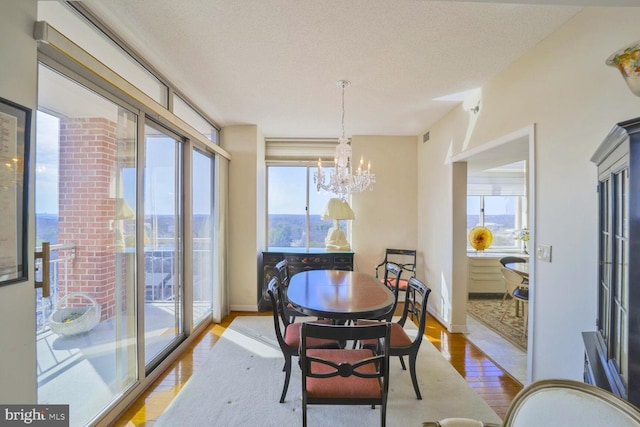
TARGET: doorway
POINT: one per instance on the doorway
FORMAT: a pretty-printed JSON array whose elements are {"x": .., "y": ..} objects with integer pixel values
[{"x": 508, "y": 150}]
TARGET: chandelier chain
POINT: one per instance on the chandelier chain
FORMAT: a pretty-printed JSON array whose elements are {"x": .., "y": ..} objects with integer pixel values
[{"x": 343, "y": 111}]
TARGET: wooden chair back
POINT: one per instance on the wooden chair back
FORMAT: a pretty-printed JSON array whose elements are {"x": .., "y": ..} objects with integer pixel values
[
  {"x": 282, "y": 270},
  {"x": 405, "y": 259}
]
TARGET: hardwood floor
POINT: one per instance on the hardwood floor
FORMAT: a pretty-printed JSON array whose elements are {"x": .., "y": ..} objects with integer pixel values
[
  {"x": 493, "y": 384},
  {"x": 489, "y": 380}
]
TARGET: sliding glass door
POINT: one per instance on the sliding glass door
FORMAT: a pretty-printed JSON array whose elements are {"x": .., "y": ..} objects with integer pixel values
[
  {"x": 116, "y": 193},
  {"x": 203, "y": 236},
  {"x": 85, "y": 231},
  {"x": 163, "y": 278}
]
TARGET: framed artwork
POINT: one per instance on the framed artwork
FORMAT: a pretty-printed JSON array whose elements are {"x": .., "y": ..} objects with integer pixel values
[{"x": 15, "y": 132}]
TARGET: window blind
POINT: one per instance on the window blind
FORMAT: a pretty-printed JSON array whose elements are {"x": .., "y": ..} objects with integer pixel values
[
  {"x": 496, "y": 184},
  {"x": 300, "y": 149}
]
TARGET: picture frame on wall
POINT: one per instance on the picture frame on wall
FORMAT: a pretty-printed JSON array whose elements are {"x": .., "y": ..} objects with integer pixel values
[{"x": 15, "y": 134}]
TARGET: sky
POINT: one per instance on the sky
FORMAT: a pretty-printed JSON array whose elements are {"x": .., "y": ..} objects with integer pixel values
[
  {"x": 161, "y": 158},
  {"x": 287, "y": 191}
]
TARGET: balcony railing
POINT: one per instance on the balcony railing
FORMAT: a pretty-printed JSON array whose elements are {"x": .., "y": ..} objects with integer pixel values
[
  {"x": 159, "y": 276},
  {"x": 61, "y": 257}
]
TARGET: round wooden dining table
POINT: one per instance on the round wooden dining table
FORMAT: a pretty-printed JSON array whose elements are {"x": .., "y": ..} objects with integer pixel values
[{"x": 340, "y": 295}]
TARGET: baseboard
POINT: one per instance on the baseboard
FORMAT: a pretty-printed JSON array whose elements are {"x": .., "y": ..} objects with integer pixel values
[
  {"x": 454, "y": 329},
  {"x": 253, "y": 308},
  {"x": 459, "y": 329}
]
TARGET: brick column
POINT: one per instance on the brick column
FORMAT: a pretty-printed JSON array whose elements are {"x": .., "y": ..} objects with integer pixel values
[{"x": 88, "y": 148}]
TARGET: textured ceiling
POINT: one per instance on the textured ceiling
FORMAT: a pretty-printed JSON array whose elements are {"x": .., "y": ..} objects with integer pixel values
[{"x": 275, "y": 63}]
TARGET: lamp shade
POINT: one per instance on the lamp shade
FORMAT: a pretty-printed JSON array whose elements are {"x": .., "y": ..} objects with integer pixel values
[
  {"x": 123, "y": 210},
  {"x": 337, "y": 209}
]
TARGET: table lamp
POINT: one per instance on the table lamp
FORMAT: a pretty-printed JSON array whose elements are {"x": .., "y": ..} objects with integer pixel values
[
  {"x": 337, "y": 209},
  {"x": 123, "y": 211}
]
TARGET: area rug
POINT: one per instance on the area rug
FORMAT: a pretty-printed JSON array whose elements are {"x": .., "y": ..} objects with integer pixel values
[
  {"x": 241, "y": 381},
  {"x": 488, "y": 312}
]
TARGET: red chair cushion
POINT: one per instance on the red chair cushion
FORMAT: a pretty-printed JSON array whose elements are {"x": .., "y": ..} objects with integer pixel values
[
  {"x": 402, "y": 283},
  {"x": 399, "y": 337},
  {"x": 338, "y": 387},
  {"x": 292, "y": 336},
  {"x": 361, "y": 322}
]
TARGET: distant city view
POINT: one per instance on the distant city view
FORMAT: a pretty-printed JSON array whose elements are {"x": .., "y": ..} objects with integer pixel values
[
  {"x": 47, "y": 227},
  {"x": 288, "y": 230}
]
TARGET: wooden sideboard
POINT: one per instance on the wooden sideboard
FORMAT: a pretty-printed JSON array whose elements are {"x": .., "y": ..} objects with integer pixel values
[{"x": 299, "y": 260}]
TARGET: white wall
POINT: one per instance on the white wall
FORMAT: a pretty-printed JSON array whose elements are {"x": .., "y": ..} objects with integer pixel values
[
  {"x": 18, "y": 83},
  {"x": 565, "y": 89},
  {"x": 245, "y": 143},
  {"x": 386, "y": 217}
]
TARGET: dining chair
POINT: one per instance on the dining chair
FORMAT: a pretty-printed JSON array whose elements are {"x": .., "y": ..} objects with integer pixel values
[
  {"x": 511, "y": 259},
  {"x": 559, "y": 403},
  {"x": 405, "y": 259},
  {"x": 401, "y": 342},
  {"x": 345, "y": 376},
  {"x": 288, "y": 334},
  {"x": 392, "y": 274},
  {"x": 458, "y": 422},
  {"x": 282, "y": 269},
  {"x": 519, "y": 291}
]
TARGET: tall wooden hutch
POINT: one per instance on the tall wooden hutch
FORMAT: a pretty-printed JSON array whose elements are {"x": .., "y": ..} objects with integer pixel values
[{"x": 613, "y": 350}]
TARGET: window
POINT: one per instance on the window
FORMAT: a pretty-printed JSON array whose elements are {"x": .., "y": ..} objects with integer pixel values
[
  {"x": 85, "y": 204},
  {"x": 190, "y": 115},
  {"x": 87, "y": 36},
  {"x": 294, "y": 206},
  {"x": 117, "y": 233},
  {"x": 163, "y": 223},
  {"x": 203, "y": 235},
  {"x": 496, "y": 199},
  {"x": 501, "y": 214}
]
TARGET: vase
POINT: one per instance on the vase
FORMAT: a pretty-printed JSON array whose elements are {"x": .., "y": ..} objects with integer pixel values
[
  {"x": 524, "y": 247},
  {"x": 480, "y": 238},
  {"x": 627, "y": 61}
]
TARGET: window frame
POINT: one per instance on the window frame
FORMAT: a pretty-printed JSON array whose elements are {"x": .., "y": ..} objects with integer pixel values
[
  {"x": 520, "y": 221},
  {"x": 62, "y": 55},
  {"x": 310, "y": 167}
]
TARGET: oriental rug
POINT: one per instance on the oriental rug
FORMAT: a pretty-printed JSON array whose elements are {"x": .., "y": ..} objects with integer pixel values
[{"x": 488, "y": 312}]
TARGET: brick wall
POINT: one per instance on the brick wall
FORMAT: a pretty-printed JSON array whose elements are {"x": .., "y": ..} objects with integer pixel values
[{"x": 88, "y": 148}]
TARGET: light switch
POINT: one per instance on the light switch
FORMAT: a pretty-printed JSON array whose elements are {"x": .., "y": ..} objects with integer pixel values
[{"x": 543, "y": 253}]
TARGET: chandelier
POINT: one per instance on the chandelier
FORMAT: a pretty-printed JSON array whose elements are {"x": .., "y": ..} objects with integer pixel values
[{"x": 342, "y": 180}]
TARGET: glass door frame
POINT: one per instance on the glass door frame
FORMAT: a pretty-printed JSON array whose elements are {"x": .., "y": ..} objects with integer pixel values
[
  {"x": 183, "y": 252},
  {"x": 95, "y": 90}
]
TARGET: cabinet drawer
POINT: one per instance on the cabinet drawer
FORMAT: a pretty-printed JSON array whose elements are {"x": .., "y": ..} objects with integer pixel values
[
  {"x": 343, "y": 262},
  {"x": 309, "y": 262},
  {"x": 484, "y": 275}
]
